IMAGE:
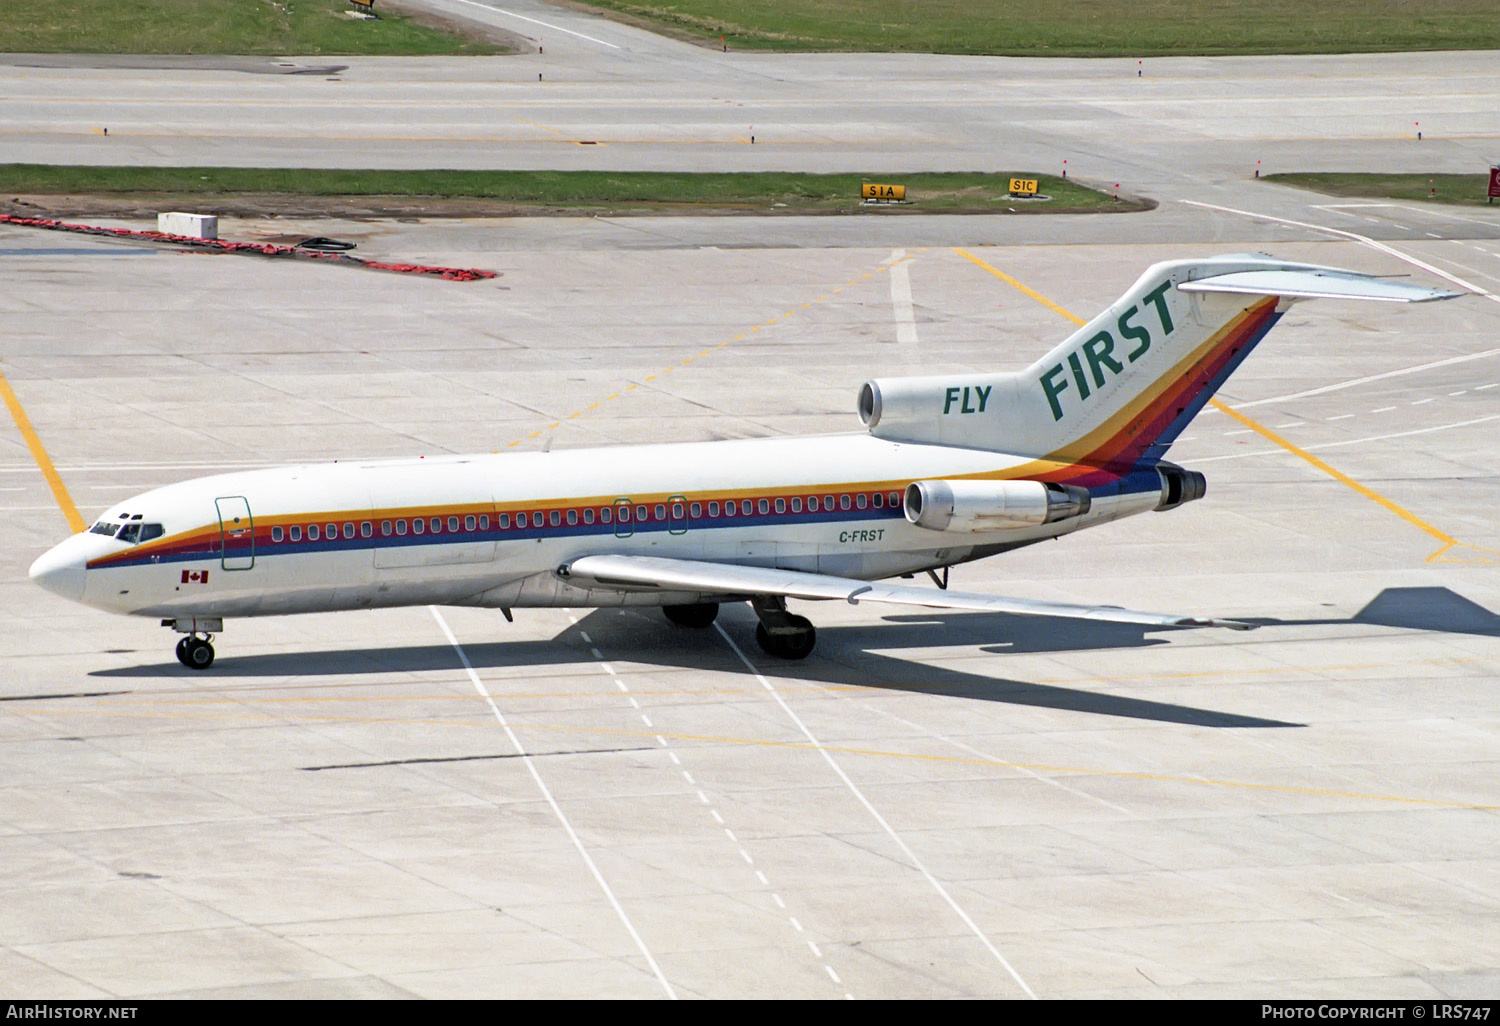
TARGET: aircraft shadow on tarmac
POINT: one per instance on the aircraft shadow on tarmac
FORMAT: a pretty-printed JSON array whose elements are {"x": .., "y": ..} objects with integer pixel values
[{"x": 855, "y": 654}]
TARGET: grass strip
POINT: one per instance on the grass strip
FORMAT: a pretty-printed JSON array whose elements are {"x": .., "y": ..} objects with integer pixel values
[
  {"x": 1079, "y": 28},
  {"x": 567, "y": 191},
  {"x": 279, "y": 27},
  {"x": 1462, "y": 190}
]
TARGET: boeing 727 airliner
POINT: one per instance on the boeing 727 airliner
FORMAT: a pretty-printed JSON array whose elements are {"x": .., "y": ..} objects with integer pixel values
[{"x": 950, "y": 468}]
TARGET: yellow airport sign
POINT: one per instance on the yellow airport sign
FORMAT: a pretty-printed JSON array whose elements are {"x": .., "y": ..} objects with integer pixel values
[
  {"x": 883, "y": 192},
  {"x": 1023, "y": 186}
]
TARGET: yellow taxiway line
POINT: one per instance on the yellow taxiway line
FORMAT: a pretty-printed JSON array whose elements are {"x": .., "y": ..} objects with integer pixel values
[{"x": 43, "y": 461}]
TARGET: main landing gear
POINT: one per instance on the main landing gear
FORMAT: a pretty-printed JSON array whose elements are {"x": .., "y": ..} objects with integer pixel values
[
  {"x": 696, "y": 616},
  {"x": 196, "y": 649},
  {"x": 779, "y": 633}
]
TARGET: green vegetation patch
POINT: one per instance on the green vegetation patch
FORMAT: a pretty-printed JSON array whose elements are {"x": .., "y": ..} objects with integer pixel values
[
  {"x": 1467, "y": 190},
  {"x": 570, "y": 191},
  {"x": 279, "y": 27},
  {"x": 1078, "y": 28}
]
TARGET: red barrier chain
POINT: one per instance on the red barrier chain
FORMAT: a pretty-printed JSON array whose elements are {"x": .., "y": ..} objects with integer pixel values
[{"x": 261, "y": 248}]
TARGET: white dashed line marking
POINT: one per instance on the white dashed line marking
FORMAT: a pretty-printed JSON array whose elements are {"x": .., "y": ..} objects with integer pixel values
[
  {"x": 1461, "y": 391},
  {"x": 1481, "y": 388},
  {"x": 1383, "y": 409},
  {"x": 779, "y": 903},
  {"x": 717, "y": 818},
  {"x": 647, "y": 721},
  {"x": 1424, "y": 402},
  {"x": 815, "y": 950},
  {"x": 795, "y": 923},
  {"x": 762, "y": 878},
  {"x": 1342, "y": 416},
  {"x": 1231, "y": 434}
]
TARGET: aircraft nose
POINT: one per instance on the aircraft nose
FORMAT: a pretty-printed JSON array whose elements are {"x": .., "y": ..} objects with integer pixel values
[{"x": 61, "y": 570}]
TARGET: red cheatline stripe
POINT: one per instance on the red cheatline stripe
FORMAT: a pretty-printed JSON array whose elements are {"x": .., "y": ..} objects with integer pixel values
[{"x": 256, "y": 248}]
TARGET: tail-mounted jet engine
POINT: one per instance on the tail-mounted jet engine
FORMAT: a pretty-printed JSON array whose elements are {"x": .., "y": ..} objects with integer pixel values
[
  {"x": 991, "y": 505},
  {"x": 1179, "y": 486}
]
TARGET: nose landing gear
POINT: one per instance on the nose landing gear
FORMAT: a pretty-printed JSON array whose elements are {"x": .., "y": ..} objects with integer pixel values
[
  {"x": 196, "y": 653},
  {"x": 196, "y": 649}
]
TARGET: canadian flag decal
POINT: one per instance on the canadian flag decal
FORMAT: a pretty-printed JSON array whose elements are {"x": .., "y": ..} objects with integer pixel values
[{"x": 195, "y": 577}]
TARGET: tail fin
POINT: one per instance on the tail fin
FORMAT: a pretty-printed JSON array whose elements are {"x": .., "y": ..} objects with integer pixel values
[{"x": 1121, "y": 388}]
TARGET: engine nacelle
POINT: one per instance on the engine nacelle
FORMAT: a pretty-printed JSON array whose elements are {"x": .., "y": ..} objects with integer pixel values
[
  {"x": 991, "y": 505},
  {"x": 1179, "y": 486}
]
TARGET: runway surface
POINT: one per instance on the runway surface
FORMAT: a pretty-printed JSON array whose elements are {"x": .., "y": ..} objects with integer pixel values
[{"x": 441, "y": 804}]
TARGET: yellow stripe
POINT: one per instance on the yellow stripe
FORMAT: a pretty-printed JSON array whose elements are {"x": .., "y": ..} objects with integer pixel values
[
  {"x": 1411, "y": 518},
  {"x": 43, "y": 461},
  {"x": 1017, "y": 285},
  {"x": 1337, "y": 475}
]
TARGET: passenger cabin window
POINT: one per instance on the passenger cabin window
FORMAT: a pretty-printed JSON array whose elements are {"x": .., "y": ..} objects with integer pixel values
[
  {"x": 781, "y": 505},
  {"x": 348, "y": 530},
  {"x": 696, "y": 510},
  {"x": 572, "y": 517},
  {"x": 843, "y": 502},
  {"x": 437, "y": 525},
  {"x": 400, "y": 527},
  {"x": 555, "y": 517},
  {"x": 470, "y": 523},
  {"x": 504, "y": 520},
  {"x": 588, "y": 515},
  {"x": 661, "y": 512},
  {"x": 860, "y": 500},
  {"x": 713, "y": 509},
  {"x": 729, "y": 508},
  {"x": 312, "y": 532},
  {"x": 296, "y": 533},
  {"x": 879, "y": 500},
  {"x": 764, "y": 507},
  {"x": 607, "y": 513},
  {"x": 796, "y": 504},
  {"x": 386, "y": 528},
  {"x": 453, "y": 524},
  {"x": 642, "y": 514},
  {"x": 331, "y": 532},
  {"x": 366, "y": 529},
  {"x": 276, "y": 534},
  {"x": 418, "y": 526},
  {"x": 484, "y": 521},
  {"x": 812, "y": 503},
  {"x": 894, "y": 499}
]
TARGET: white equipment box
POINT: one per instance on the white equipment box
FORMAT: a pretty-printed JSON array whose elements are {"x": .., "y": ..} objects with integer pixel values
[{"x": 197, "y": 226}]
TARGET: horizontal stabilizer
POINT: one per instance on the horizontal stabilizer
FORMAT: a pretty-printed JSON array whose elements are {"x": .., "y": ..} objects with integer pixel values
[
  {"x": 729, "y": 579},
  {"x": 1308, "y": 284}
]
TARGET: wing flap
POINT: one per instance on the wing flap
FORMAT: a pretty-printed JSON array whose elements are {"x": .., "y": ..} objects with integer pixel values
[{"x": 690, "y": 575}]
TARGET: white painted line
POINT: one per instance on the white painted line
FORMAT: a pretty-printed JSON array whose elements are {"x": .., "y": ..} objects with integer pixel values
[
  {"x": 1362, "y": 239},
  {"x": 795, "y": 923},
  {"x": 556, "y": 809},
  {"x": 673, "y": 756},
  {"x": 1481, "y": 388},
  {"x": 634, "y": 704},
  {"x": 1461, "y": 391},
  {"x": 597, "y": 654},
  {"x": 621, "y": 685},
  {"x": 608, "y": 669},
  {"x": 860, "y": 795},
  {"x": 703, "y": 797},
  {"x": 544, "y": 24},
  {"x": 1367, "y": 379},
  {"x": 815, "y": 950},
  {"x": 779, "y": 903},
  {"x": 689, "y": 778},
  {"x": 906, "y": 323},
  {"x": 646, "y": 720},
  {"x": 730, "y": 834},
  {"x": 1350, "y": 441},
  {"x": 1383, "y": 409},
  {"x": 762, "y": 878},
  {"x": 586, "y": 639},
  {"x": 662, "y": 741},
  {"x": 1424, "y": 402},
  {"x": 1342, "y": 416},
  {"x": 835, "y": 977},
  {"x": 717, "y": 818},
  {"x": 746, "y": 856}
]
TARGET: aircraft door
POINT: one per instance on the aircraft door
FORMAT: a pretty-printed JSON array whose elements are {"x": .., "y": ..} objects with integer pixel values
[{"x": 236, "y": 533}]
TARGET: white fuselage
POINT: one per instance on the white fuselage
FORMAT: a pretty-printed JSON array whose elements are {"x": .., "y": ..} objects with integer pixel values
[{"x": 494, "y": 528}]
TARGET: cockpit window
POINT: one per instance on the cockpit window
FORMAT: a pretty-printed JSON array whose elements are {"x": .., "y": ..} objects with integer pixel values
[
  {"x": 108, "y": 530},
  {"x": 135, "y": 533}
]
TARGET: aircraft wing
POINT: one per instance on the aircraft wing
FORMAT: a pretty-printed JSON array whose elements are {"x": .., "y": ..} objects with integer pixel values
[{"x": 691, "y": 575}]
